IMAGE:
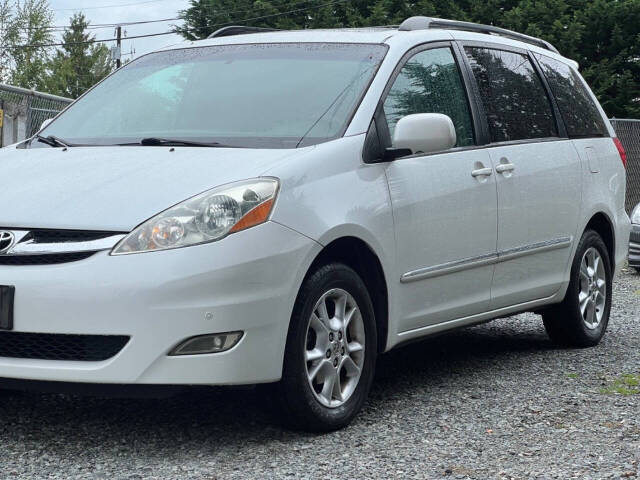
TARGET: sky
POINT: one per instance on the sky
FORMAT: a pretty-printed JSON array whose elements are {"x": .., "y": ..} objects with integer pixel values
[{"x": 116, "y": 11}]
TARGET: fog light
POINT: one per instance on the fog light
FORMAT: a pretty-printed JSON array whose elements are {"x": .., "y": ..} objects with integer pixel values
[{"x": 213, "y": 343}]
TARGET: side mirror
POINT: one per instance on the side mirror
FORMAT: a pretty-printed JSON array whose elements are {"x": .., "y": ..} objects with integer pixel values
[
  {"x": 424, "y": 133},
  {"x": 46, "y": 123}
]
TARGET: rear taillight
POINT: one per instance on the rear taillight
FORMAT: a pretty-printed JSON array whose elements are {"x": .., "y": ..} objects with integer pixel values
[{"x": 623, "y": 154}]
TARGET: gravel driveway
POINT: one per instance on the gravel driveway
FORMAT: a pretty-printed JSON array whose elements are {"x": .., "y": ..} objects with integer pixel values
[{"x": 494, "y": 401}]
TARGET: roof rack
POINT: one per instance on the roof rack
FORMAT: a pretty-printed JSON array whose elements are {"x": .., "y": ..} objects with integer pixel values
[
  {"x": 425, "y": 23},
  {"x": 238, "y": 30}
]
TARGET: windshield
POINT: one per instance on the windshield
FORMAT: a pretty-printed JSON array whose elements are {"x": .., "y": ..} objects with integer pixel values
[{"x": 257, "y": 96}]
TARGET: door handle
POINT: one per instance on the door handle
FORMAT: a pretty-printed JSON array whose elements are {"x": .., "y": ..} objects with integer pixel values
[
  {"x": 505, "y": 167},
  {"x": 482, "y": 172}
]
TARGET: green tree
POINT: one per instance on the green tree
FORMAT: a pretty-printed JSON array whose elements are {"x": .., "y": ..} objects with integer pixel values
[
  {"x": 6, "y": 33},
  {"x": 30, "y": 25},
  {"x": 79, "y": 64},
  {"x": 609, "y": 54}
]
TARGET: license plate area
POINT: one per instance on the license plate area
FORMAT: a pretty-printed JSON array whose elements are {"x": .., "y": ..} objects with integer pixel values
[{"x": 6, "y": 307}]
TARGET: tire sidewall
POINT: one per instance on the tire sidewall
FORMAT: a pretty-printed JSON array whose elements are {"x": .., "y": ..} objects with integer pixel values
[
  {"x": 295, "y": 376},
  {"x": 590, "y": 239}
]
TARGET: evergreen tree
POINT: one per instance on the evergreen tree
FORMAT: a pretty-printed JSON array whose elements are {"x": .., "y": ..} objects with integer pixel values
[
  {"x": 79, "y": 64},
  {"x": 609, "y": 54}
]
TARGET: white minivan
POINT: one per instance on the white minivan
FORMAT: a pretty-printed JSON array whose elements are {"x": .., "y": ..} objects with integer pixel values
[{"x": 281, "y": 207}]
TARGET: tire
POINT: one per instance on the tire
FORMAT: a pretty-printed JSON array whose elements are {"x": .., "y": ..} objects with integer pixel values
[
  {"x": 637, "y": 270},
  {"x": 304, "y": 405},
  {"x": 568, "y": 324}
]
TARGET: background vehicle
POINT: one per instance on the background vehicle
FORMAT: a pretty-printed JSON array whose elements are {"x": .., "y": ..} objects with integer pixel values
[{"x": 393, "y": 184}]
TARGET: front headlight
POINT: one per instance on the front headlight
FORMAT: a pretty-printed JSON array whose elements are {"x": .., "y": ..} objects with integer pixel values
[
  {"x": 635, "y": 215},
  {"x": 207, "y": 217}
]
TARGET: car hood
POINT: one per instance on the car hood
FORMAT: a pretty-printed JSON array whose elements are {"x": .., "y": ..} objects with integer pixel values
[{"x": 115, "y": 188}]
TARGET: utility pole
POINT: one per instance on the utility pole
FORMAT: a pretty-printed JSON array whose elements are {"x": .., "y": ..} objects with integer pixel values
[{"x": 119, "y": 46}]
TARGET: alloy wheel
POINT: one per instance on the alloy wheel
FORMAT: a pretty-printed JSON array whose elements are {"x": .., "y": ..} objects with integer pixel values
[
  {"x": 335, "y": 344},
  {"x": 593, "y": 288}
]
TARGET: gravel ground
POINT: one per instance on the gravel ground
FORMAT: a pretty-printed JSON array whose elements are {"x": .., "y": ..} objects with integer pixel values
[{"x": 494, "y": 401}]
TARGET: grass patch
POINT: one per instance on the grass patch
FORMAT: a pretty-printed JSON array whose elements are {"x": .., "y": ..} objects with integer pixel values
[
  {"x": 572, "y": 375},
  {"x": 628, "y": 384}
]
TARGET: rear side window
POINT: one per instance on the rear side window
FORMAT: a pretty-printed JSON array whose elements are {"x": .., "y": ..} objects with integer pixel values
[
  {"x": 514, "y": 99},
  {"x": 430, "y": 82},
  {"x": 578, "y": 110}
]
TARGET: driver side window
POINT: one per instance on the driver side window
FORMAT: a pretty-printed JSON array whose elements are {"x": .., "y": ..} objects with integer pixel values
[{"x": 430, "y": 82}]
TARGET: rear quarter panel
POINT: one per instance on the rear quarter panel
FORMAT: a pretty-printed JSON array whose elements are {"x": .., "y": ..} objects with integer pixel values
[
  {"x": 605, "y": 184},
  {"x": 604, "y": 187}
]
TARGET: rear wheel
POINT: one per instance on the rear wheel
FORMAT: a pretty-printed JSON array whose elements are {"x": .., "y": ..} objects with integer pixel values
[
  {"x": 582, "y": 318},
  {"x": 331, "y": 351}
]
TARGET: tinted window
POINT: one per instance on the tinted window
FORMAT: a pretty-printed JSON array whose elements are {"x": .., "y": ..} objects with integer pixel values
[
  {"x": 430, "y": 82},
  {"x": 579, "y": 112},
  {"x": 514, "y": 99},
  {"x": 258, "y": 95}
]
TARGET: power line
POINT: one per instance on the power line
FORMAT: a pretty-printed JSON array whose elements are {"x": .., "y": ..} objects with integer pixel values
[
  {"x": 98, "y": 26},
  {"x": 108, "y": 6},
  {"x": 298, "y": 10},
  {"x": 86, "y": 42},
  {"x": 262, "y": 17},
  {"x": 216, "y": 14},
  {"x": 219, "y": 13}
]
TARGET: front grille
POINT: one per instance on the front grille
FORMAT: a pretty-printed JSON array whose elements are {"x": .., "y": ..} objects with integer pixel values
[
  {"x": 52, "y": 259},
  {"x": 61, "y": 236},
  {"x": 46, "y": 346},
  {"x": 51, "y": 247}
]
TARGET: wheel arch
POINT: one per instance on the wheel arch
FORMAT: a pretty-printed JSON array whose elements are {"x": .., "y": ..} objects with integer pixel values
[
  {"x": 602, "y": 224},
  {"x": 361, "y": 257}
]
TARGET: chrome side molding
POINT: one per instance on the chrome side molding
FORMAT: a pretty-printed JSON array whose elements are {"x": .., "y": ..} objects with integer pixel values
[
  {"x": 449, "y": 267},
  {"x": 534, "y": 248},
  {"x": 487, "y": 259}
]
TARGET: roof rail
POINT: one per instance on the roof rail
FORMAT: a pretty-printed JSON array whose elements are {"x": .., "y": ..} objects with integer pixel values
[
  {"x": 425, "y": 23},
  {"x": 238, "y": 30}
]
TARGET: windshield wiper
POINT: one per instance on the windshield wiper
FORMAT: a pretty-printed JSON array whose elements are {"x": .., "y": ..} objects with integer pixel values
[
  {"x": 170, "y": 142},
  {"x": 53, "y": 141}
]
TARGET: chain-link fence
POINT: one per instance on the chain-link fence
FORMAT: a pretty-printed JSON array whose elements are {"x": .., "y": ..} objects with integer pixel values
[
  {"x": 23, "y": 112},
  {"x": 628, "y": 132}
]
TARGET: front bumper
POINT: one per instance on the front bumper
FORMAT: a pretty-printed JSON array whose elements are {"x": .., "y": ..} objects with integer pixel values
[
  {"x": 634, "y": 246},
  {"x": 247, "y": 281}
]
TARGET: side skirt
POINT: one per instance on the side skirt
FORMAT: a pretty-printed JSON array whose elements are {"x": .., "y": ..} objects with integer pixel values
[{"x": 408, "y": 335}]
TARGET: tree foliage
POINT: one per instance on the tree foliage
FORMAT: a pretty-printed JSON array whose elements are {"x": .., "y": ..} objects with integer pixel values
[
  {"x": 28, "y": 22},
  {"x": 79, "y": 64},
  {"x": 602, "y": 35},
  {"x": 26, "y": 25},
  {"x": 6, "y": 33}
]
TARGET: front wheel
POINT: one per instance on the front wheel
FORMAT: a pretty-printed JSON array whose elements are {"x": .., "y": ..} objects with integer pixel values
[
  {"x": 331, "y": 351},
  {"x": 582, "y": 318}
]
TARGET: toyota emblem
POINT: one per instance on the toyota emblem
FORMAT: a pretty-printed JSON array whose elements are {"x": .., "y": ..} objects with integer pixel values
[{"x": 6, "y": 241}]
